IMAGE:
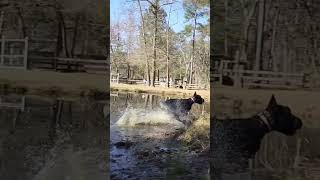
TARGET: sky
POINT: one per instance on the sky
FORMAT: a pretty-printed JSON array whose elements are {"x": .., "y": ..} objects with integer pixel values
[{"x": 118, "y": 9}]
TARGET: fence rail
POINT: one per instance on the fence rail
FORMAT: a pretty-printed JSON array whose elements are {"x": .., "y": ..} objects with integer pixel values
[
  {"x": 18, "y": 103},
  {"x": 14, "y": 53},
  {"x": 115, "y": 78},
  {"x": 70, "y": 64},
  {"x": 266, "y": 79}
]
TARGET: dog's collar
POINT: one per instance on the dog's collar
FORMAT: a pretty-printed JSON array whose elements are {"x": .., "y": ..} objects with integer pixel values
[
  {"x": 192, "y": 99},
  {"x": 265, "y": 117}
]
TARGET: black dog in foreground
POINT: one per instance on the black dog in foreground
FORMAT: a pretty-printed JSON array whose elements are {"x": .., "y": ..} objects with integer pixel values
[
  {"x": 235, "y": 141},
  {"x": 180, "y": 107}
]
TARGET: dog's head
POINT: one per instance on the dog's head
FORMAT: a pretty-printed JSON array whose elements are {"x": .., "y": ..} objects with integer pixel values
[
  {"x": 282, "y": 119},
  {"x": 197, "y": 98}
]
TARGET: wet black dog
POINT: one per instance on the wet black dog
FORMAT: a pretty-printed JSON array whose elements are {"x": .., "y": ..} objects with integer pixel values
[
  {"x": 235, "y": 141},
  {"x": 180, "y": 107}
]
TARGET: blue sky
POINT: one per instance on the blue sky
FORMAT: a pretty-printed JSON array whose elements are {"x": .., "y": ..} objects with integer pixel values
[{"x": 118, "y": 8}]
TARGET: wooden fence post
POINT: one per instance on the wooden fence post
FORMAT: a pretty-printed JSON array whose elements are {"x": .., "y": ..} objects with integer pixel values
[
  {"x": 25, "y": 58},
  {"x": 118, "y": 75},
  {"x": 2, "y": 50}
]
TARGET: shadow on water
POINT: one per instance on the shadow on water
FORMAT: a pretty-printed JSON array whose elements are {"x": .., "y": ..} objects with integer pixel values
[
  {"x": 43, "y": 138},
  {"x": 150, "y": 150},
  {"x": 280, "y": 157}
]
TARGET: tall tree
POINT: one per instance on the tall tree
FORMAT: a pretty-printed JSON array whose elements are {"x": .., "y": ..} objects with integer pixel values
[
  {"x": 194, "y": 9},
  {"x": 145, "y": 44}
]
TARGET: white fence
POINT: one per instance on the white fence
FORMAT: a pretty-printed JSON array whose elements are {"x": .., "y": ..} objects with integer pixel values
[
  {"x": 12, "y": 102},
  {"x": 14, "y": 53}
]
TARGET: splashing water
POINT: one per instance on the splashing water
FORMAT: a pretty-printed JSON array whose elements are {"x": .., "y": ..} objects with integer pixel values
[{"x": 135, "y": 117}]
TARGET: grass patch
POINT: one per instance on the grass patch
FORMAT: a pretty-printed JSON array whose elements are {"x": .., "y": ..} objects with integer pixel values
[{"x": 197, "y": 136}]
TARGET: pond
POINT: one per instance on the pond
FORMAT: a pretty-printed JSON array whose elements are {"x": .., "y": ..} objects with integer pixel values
[
  {"x": 150, "y": 149},
  {"x": 280, "y": 157},
  {"x": 50, "y": 138}
]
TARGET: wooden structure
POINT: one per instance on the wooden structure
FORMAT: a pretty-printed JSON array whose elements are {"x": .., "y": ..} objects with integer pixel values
[
  {"x": 70, "y": 64},
  {"x": 12, "y": 103},
  {"x": 114, "y": 78},
  {"x": 268, "y": 79},
  {"x": 14, "y": 53},
  {"x": 255, "y": 79}
]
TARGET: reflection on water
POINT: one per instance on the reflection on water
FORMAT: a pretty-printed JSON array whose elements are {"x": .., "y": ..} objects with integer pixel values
[
  {"x": 149, "y": 151},
  {"x": 280, "y": 157},
  {"x": 42, "y": 138}
]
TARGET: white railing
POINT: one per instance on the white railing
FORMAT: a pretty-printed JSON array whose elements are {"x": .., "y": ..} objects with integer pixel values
[
  {"x": 16, "y": 103},
  {"x": 13, "y": 56},
  {"x": 114, "y": 78}
]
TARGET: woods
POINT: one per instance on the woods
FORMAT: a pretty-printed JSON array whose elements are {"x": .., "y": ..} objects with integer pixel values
[
  {"x": 279, "y": 36},
  {"x": 146, "y": 45},
  {"x": 61, "y": 28}
]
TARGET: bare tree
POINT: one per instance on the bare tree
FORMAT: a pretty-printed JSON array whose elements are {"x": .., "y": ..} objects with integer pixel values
[
  {"x": 260, "y": 34},
  {"x": 145, "y": 44},
  {"x": 248, "y": 12},
  {"x": 167, "y": 48}
]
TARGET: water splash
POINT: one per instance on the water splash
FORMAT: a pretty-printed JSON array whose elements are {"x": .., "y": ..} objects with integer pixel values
[{"x": 138, "y": 116}]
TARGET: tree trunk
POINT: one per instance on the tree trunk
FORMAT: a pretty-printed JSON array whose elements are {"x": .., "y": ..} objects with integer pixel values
[
  {"x": 58, "y": 45},
  {"x": 1, "y": 22},
  {"x": 22, "y": 23},
  {"x": 225, "y": 31},
  {"x": 248, "y": 13},
  {"x": 314, "y": 41},
  {"x": 260, "y": 35},
  {"x": 75, "y": 33},
  {"x": 167, "y": 50},
  {"x": 156, "y": 9},
  {"x": 145, "y": 45},
  {"x": 193, "y": 46},
  {"x": 285, "y": 54},
  {"x": 128, "y": 71},
  {"x": 274, "y": 33},
  {"x": 64, "y": 33}
]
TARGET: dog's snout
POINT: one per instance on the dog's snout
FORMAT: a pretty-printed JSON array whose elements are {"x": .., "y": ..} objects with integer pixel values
[{"x": 298, "y": 123}]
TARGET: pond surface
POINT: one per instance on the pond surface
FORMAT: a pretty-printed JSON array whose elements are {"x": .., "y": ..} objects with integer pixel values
[
  {"x": 280, "y": 157},
  {"x": 47, "y": 138},
  {"x": 149, "y": 149}
]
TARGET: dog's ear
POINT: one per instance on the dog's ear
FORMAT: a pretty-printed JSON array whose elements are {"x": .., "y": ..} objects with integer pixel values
[
  {"x": 195, "y": 93},
  {"x": 272, "y": 102}
]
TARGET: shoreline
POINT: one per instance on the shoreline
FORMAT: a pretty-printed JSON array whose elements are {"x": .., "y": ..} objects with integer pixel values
[
  {"x": 50, "y": 83},
  {"x": 158, "y": 90}
]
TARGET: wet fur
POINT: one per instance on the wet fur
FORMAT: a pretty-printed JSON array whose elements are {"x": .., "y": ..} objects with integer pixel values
[
  {"x": 235, "y": 141},
  {"x": 181, "y": 107}
]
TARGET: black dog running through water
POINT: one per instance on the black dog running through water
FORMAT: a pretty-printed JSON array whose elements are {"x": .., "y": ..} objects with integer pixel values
[
  {"x": 180, "y": 107},
  {"x": 235, "y": 141}
]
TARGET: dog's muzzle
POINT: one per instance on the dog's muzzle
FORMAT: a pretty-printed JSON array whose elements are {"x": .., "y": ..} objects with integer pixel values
[{"x": 298, "y": 123}]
